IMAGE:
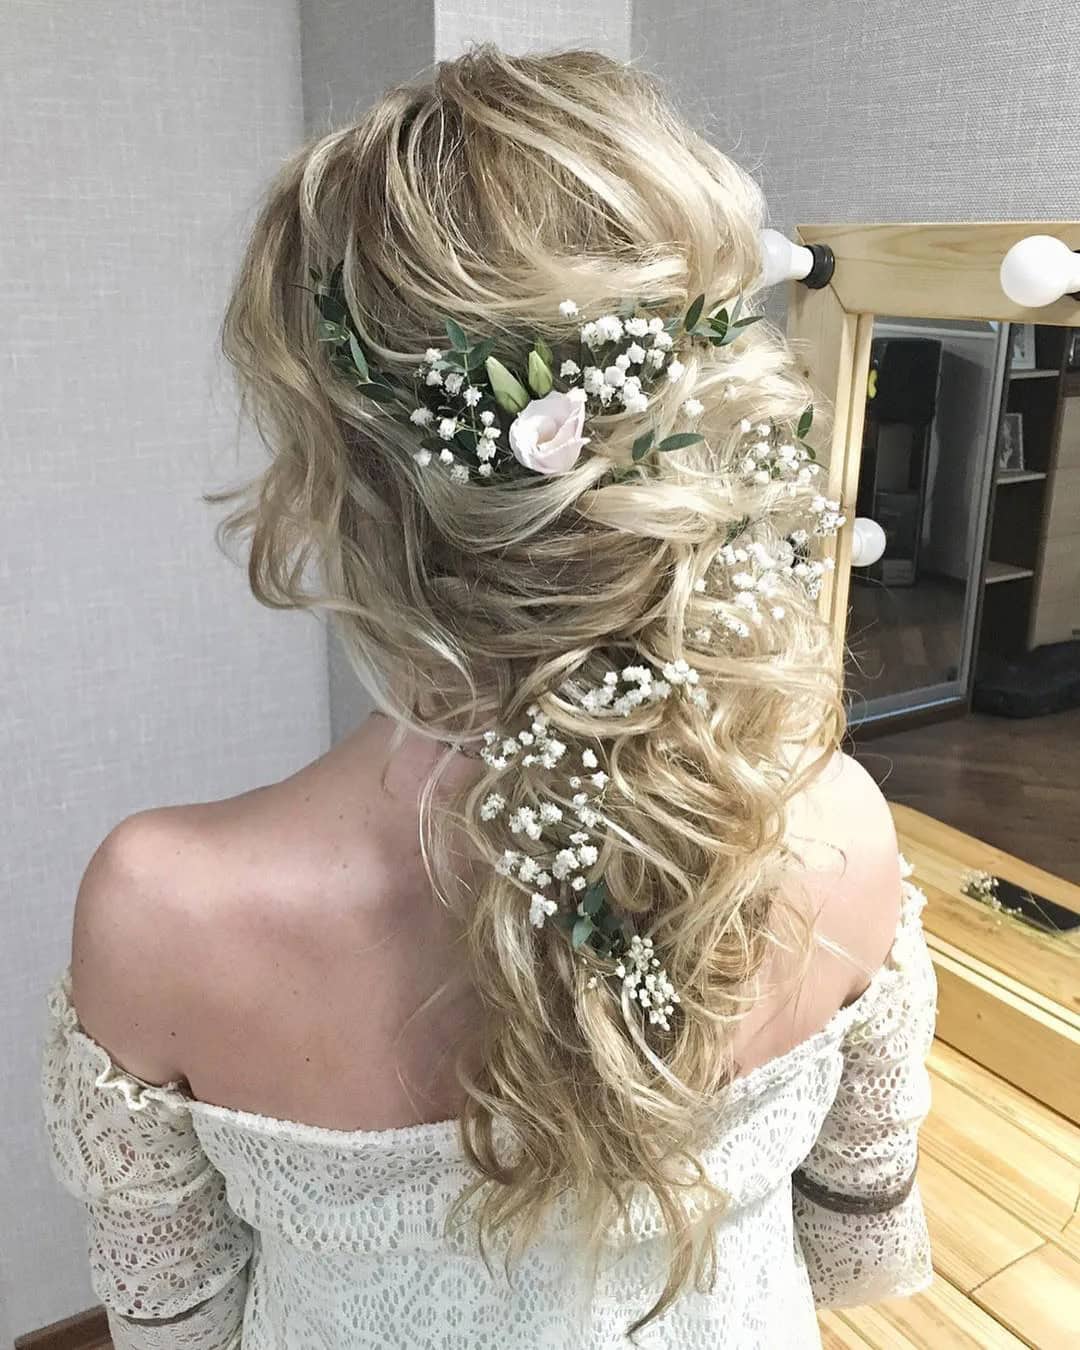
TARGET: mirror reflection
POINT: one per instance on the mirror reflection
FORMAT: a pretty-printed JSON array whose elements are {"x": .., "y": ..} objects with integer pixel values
[{"x": 970, "y": 433}]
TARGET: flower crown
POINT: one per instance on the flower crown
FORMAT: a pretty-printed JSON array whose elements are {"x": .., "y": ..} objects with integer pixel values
[{"x": 475, "y": 416}]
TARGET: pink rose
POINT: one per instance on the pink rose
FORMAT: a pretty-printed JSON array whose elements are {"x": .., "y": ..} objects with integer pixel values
[{"x": 546, "y": 435}]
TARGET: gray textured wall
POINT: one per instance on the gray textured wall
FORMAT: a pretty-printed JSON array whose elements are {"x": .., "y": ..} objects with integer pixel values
[
  {"x": 136, "y": 668},
  {"x": 897, "y": 110}
]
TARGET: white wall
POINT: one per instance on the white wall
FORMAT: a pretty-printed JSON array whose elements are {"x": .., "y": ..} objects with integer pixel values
[{"x": 136, "y": 669}]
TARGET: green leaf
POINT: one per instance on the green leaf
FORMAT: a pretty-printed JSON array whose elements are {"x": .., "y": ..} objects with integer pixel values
[
  {"x": 643, "y": 445},
  {"x": 359, "y": 359},
  {"x": 510, "y": 394},
  {"x": 719, "y": 322},
  {"x": 680, "y": 440},
  {"x": 456, "y": 334},
  {"x": 476, "y": 356},
  {"x": 583, "y": 930},
  {"x": 379, "y": 393},
  {"x": 314, "y": 274},
  {"x": 694, "y": 313},
  {"x": 541, "y": 379},
  {"x": 750, "y": 318},
  {"x": 329, "y": 331},
  {"x": 737, "y": 309},
  {"x": 466, "y": 438},
  {"x": 455, "y": 359},
  {"x": 806, "y": 421},
  {"x": 593, "y": 899}
]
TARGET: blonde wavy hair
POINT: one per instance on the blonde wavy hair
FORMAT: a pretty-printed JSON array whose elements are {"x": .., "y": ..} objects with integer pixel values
[{"x": 490, "y": 191}]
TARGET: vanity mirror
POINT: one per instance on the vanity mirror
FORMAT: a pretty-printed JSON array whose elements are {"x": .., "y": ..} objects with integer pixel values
[{"x": 944, "y": 353}]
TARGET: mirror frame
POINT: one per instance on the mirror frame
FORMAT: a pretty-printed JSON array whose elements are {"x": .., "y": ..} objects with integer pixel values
[{"x": 917, "y": 270}]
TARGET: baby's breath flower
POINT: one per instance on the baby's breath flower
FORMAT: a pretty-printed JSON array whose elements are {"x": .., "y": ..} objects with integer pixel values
[
  {"x": 472, "y": 396},
  {"x": 637, "y": 327},
  {"x": 568, "y": 309},
  {"x": 487, "y": 417},
  {"x": 447, "y": 456},
  {"x": 540, "y": 908},
  {"x": 421, "y": 417},
  {"x": 675, "y": 371},
  {"x": 422, "y": 457},
  {"x": 433, "y": 377},
  {"x": 693, "y": 407},
  {"x": 447, "y": 427},
  {"x": 432, "y": 354},
  {"x": 568, "y": 369}
]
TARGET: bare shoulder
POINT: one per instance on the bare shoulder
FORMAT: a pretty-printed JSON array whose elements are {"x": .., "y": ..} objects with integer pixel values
[
  {"x": 844, "y": 828},
  {"x": 139, "y": 906}
]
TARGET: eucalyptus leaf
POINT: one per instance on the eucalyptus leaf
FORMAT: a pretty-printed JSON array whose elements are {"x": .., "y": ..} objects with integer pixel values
[
  {"x": 806, "y": 421},
  {"x": 643, "y": 445},
  {"x": 359, "y": 359},
  {"x": 680, "y": 440},
  {"x": 466, "y": 438},
  {"x": 476, "y": 356},
  {"x": 593, "y": 900},
  {"x": 455, "y": 359},
  {"x": 583, "y": 930},
  {"x": 737, "y": 309},
  {"x": 694, "y": 313},
  {"x": 328, "y": 331},
  {"x": 379, "y": 393},
  {"x": 456, "y": 334},
  {"x": 750, "y": 318}
]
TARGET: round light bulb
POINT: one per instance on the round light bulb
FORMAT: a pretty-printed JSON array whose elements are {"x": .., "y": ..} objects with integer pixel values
[
  {"x": 867, "y": 542},
  {"x": 1039, "y": 270},
  {"x": 781, "y": 260}
]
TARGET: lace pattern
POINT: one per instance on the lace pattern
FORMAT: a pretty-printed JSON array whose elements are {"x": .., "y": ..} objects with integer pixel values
[{"x": 211, "y": 1227}]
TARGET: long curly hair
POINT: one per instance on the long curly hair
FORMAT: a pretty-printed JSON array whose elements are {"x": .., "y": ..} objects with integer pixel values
[{"x": 490, "y": 191}]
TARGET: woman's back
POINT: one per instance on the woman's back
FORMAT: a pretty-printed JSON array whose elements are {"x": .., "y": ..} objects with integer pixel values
[{"x": 297, "y": 964}]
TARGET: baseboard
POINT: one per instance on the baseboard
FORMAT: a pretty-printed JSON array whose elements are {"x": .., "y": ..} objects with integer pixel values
[{"x": 85, "y": 1331}]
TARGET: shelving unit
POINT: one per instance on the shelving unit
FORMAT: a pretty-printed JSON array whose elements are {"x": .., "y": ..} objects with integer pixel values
[{"x": 1018, "y": 502}]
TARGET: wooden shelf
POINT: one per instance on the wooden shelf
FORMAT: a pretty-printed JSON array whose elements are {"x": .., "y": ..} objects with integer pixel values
[
  {"x": 1033, "y": 374},
  {"x": 1019, "y": 476},
  {"x": 997, "y": 571}
]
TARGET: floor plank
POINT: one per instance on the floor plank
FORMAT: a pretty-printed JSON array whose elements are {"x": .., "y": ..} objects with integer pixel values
[
  {"x": 1038, "y": 1297},
  {"x": 1031, "y": 1116},
  {"x": 838, "y": 1334},
  {"x": 971, "y": 1235},
  {"x": 941, "y": 1318},
  {"x": 1024, "y": 1176}
]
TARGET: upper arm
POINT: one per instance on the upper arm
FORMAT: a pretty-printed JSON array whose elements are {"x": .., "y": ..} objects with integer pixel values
[
  {"x": 129, "y": 945},
  {"x": 856, "y": 893}
]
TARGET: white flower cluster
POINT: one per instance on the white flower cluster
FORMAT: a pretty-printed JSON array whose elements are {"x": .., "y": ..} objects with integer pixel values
[
  {"x": 647, "y": 982},
  {"x": 644, "y": 688},
  {"x": 459, "y": 400},
  {"x": 568, "y": 858},
  {"x": 755, "y": 582},
  {"x": 770, "y": 459},
  {"x": 630, "y": 354}
]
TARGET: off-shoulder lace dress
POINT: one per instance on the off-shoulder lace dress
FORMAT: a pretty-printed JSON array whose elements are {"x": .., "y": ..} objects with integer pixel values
[{"x": 213, "y": 1228}]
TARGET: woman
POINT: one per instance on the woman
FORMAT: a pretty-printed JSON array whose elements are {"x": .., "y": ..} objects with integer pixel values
[{"x": 579, "y": 995}]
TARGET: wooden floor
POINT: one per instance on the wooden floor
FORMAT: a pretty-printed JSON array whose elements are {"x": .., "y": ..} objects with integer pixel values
[
  {"x": 1009, "y": 781},
  {"x": 1000, "y": 1179}
]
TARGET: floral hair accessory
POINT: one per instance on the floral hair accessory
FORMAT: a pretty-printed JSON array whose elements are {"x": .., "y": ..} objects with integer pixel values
[{"x": 477, "y": 415}]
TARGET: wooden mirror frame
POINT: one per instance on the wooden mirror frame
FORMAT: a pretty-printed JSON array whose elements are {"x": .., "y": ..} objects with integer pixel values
[{"x": 918, "y": 271}]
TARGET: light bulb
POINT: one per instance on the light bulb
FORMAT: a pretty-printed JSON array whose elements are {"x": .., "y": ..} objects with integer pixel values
[
  {"x": 781, "y": 260},
  {"x": 1039, "y": 270},
  {"x": 867, "y": 542}
]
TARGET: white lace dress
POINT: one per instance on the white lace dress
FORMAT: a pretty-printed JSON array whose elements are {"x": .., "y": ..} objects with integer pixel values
[{"x": 213, "y": 1228}]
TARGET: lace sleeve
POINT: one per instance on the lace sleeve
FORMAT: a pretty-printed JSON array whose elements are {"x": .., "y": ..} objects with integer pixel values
[
  {"x": 858, "y": 1215},
  {"x": 168, "y": 1256}
]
